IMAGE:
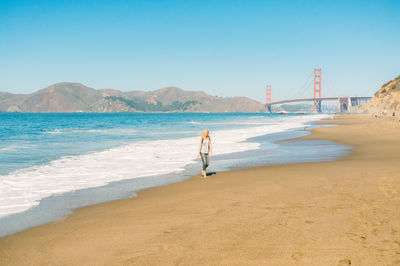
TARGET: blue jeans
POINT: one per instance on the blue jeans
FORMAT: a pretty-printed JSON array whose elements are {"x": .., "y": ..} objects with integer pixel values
[{"x": 205, "y": 159}]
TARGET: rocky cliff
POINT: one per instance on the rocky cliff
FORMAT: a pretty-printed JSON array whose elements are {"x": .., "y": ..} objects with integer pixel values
[
  {"x": 75, "y": 97},
  {"x": 386, "y": 98}
]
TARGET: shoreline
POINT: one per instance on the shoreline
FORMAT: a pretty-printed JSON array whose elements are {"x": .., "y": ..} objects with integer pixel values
[
  {"x": 326, "y": 213},
  {"x": 108, "y": 150},
  {"x": 58, "y": 206}
]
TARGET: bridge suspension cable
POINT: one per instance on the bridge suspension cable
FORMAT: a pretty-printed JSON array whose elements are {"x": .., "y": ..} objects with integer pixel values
[
  {"x": 332, "y": 88},
  {"x": 304, "y": 88}
]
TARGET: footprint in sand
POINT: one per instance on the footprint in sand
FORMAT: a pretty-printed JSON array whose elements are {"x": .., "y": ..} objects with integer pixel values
[
  {"x": 388, "y": 189},
  {"x": 344, "y": 262},
  {"x": 297, "y": 255}
]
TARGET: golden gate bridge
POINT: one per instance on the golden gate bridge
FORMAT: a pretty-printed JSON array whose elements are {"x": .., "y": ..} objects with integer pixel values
[{"x": 344, "y": 103}]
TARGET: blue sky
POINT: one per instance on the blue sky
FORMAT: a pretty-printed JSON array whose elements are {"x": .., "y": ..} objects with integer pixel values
[{"x": 225, "y": 48}]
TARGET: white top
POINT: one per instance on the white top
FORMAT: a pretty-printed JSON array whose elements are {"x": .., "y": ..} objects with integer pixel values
[{"x": 205, "y": 146}]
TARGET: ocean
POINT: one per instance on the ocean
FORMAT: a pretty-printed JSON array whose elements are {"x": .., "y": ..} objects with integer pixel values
[{"x": 51, "y": 164}]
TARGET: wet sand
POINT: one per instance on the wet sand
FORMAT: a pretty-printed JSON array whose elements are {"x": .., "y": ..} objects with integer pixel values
[{"x": 345, "y": 212}]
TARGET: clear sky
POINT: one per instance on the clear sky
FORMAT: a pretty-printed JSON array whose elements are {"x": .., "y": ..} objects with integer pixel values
[{"x": 225, "y": 48}]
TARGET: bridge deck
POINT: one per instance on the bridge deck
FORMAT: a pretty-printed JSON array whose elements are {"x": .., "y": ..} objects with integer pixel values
[{"x": 318, "y": 99}]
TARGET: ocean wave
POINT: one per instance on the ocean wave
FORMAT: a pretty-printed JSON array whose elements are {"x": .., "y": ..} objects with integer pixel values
[
  {"x": 116, "y": 131},
  {"x": 24, "y": 188},
  {"x": 55, "y": 131}
]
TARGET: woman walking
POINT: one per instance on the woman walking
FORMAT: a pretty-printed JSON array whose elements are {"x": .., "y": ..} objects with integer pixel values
[{"x": 205, "y": 150}]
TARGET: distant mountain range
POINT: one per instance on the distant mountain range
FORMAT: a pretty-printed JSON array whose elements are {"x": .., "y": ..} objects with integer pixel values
[{"x": 75, "y": 97}]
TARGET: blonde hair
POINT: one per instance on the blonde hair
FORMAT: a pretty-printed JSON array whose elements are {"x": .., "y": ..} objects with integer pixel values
[{"x": 205, "y": 134}]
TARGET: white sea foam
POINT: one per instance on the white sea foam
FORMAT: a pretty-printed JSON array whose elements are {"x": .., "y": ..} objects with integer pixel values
[
  {"x": 16, "y": 147},
  {"x": 9, "y": 148},
  {"x": 55, "y": 131},
  {"x": 24, "y": 188},
  {"x": 116, "y": 131}
]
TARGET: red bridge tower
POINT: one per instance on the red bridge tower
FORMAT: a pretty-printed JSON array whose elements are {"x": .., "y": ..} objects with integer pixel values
[
  {"x": 269, "y": 100},
  {"x": 317, "y": 90}
]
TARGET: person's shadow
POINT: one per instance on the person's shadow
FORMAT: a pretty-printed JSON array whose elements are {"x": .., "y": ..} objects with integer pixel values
[{"x": 211, "y": 173}]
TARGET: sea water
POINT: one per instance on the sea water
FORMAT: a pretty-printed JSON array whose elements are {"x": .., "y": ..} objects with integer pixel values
[{"x": 51, "y": 164}]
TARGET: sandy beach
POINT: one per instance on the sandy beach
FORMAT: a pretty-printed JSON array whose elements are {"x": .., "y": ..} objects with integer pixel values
[{"x": 345, "y": 212}]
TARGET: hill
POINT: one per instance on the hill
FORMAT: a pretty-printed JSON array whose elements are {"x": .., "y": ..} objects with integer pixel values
[
  {"x": 76, "y": 97},
  {"x": 386, "y": 98}
]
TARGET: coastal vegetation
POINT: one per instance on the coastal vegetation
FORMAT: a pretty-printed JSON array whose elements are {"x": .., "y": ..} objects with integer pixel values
[{"x": 142, "y": 105}]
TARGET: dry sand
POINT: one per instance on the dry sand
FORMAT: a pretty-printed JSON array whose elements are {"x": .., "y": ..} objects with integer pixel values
[{"x": 331, "y": 213}]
